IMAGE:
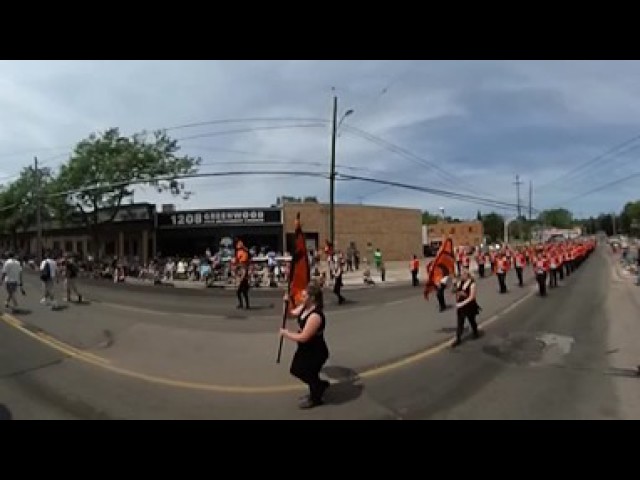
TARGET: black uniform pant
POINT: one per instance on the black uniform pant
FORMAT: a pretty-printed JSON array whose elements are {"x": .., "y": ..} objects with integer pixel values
[
  {"x": 481, "y": 270},
  {"x": 567, "y": 267},
  {"x": 561, "y": 272},
  {"x": 306, "y": 365},
  {"x": 519, "y": 274},
  {"x": 414, "y": 278},
  {"x": 553, "y": 278},
  {"x": 502, "y": 282},
  {"x": 243, "y": 292},
  {"x": 542, "y": 283},
  {"x": 337, "y": 287},
  {"x": 467, "y": 312},
  {"x": 440, "y": 295}
]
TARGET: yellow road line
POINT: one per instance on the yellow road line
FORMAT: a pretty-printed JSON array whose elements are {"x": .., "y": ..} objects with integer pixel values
[
  {"x": 53, "y": 342},
  {"x": 105, "y": 364}
]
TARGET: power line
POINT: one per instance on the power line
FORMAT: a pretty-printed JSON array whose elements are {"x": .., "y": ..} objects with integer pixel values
[
  {"x": 591, "y": 161},
  {"x": 244, "y": 120},
  {"x": 249, "y": 130},
  {"x": 444, "y": 175},
  {"x": 434, "y": 191},
  {"x": 601, "y": 187}
]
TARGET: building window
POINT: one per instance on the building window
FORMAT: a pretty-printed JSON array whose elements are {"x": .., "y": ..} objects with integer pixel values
[
  {"x": 68, "y": 246},
  {"x": 56, "y": 245},
  {"x": 79, "y": 248},
  {"x": 470, "y": 229}
]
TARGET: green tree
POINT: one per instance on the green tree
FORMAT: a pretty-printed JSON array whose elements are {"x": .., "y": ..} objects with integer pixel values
[
  {"x": 630, "y": 218},
  {"x": 557, "y": 218},
  {"x": 493, "y": 226},
  {"x": 18, "y": 202},
  {"x": 104, "y": 167},
  {"x": 428, "y": 219}
]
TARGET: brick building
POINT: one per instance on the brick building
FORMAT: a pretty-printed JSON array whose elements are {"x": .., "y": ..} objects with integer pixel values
[
  {"x": 397, "y": 232},
  {"x": 467, "y": 234}
]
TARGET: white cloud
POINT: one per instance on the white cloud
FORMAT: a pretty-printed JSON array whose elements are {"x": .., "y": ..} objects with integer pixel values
[{"x": 486, "y": 121}]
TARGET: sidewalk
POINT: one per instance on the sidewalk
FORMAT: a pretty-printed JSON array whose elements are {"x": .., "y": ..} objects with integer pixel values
[{"x": 359, "y": 338}]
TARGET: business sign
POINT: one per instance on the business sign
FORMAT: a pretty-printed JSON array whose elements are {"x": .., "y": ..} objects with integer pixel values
[{"x": 221, "y": 217}]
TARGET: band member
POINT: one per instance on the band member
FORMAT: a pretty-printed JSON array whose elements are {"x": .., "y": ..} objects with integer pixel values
[
  {"x": 520, "y": 263},
  {"x": 312, "y": 351},
  {"x": 466, "y": 305},
  {"x": 541, "y": 266},
  {"x": 480, "y": 262},
  {"x": 501, "y": 271},
  {"x": 337, "y": 282},
  {"x": 415, "y": 267},
  {"x": 442, "y": 288},
  {"x": 243, "y": 287},
  {"x": 553, "y": 268}
]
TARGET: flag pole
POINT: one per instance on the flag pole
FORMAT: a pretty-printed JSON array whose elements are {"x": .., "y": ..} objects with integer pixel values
[{"x": 284, "y": 319}]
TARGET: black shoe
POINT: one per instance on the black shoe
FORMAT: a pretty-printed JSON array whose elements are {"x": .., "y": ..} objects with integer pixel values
[
  {"x": 79, "y": 298},
  {"x": 309, "y": 403},
  {"x": 239, "y": 307},
  {"x": 456, "y": 343},
  {"x": 477, "y": 334}
]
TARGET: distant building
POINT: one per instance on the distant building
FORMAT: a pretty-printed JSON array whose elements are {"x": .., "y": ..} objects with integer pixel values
[
  {"x": 550, "y": 234},
  {"x": 463, "y": 234}
]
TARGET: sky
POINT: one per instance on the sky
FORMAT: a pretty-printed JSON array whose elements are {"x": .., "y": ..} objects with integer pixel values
[{"x": 467, "y": 127}]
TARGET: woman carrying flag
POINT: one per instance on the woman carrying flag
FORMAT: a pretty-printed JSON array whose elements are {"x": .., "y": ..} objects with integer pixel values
[{"x": 312, "y": 352}]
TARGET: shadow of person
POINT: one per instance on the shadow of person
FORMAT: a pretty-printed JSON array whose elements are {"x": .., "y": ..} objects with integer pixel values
[
  {"x": 5, "y": 413},
  {"x": 345, "y": 387}
]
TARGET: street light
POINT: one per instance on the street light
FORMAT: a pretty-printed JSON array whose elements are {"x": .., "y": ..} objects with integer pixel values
[{"x": 332, "y": 172}]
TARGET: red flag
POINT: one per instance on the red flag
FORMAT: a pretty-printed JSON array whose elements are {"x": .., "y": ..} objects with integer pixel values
[
  {"x": 300, "y": 272},
  {"x": 442, "y": 266}
]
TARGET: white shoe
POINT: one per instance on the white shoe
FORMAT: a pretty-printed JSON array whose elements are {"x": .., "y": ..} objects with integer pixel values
[{"x": 43, "y": 301}]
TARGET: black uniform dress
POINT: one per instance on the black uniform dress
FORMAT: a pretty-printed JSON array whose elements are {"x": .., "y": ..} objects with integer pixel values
[
  {"x": 310, "y": 357},
  {"x": 469, "y": 311}
]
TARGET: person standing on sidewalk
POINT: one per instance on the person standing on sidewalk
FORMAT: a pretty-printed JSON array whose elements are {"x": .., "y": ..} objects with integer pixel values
[
  {"x": 12, "y": 276},
  {"x": 415, "y": 267},
  {"x": 466, "y": 305},
  {"x": 70, "y": 278},
  {"x": 377, "y": 259},
  {"x": 312, "y": 352},
  {"x": 48, "y": 275}
]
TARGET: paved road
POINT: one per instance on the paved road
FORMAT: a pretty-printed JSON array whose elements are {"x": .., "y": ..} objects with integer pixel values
[
  {"x": 586, "y": 370},
  {"x": 512, "y": 375}
]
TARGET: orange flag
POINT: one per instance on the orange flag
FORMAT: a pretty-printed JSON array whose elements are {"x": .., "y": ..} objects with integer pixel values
[
  {"x": 300, "y": 273},
  {"x": 442, "y": 266}
]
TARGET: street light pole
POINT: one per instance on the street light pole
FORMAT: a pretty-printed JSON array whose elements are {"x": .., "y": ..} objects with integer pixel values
[{"x": 332, "y": 173}]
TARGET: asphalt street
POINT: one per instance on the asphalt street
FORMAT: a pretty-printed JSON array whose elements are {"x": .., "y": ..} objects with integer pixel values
[{"x": 561, "y": 357}]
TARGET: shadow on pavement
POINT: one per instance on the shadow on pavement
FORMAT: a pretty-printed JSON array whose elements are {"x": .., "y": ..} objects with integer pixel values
[
  {"x": 346, "y": 390},
  {"x": 60, "y": 308},
  {"x": 5, "y": 413},
  {"x": 21, "y": 311}
]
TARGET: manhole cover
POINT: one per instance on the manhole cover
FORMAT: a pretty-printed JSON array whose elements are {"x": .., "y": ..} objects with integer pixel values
[{"x": 530, "y": 348}]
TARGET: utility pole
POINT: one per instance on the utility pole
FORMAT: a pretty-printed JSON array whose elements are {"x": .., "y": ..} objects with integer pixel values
[
  {"x": 530, "y": 199},
  {"x": 613, "y": 219},
  {"x": 517, "y": 184},
  {"x": 332, "y": 173},
  {"x": 38, "y": 210}
]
